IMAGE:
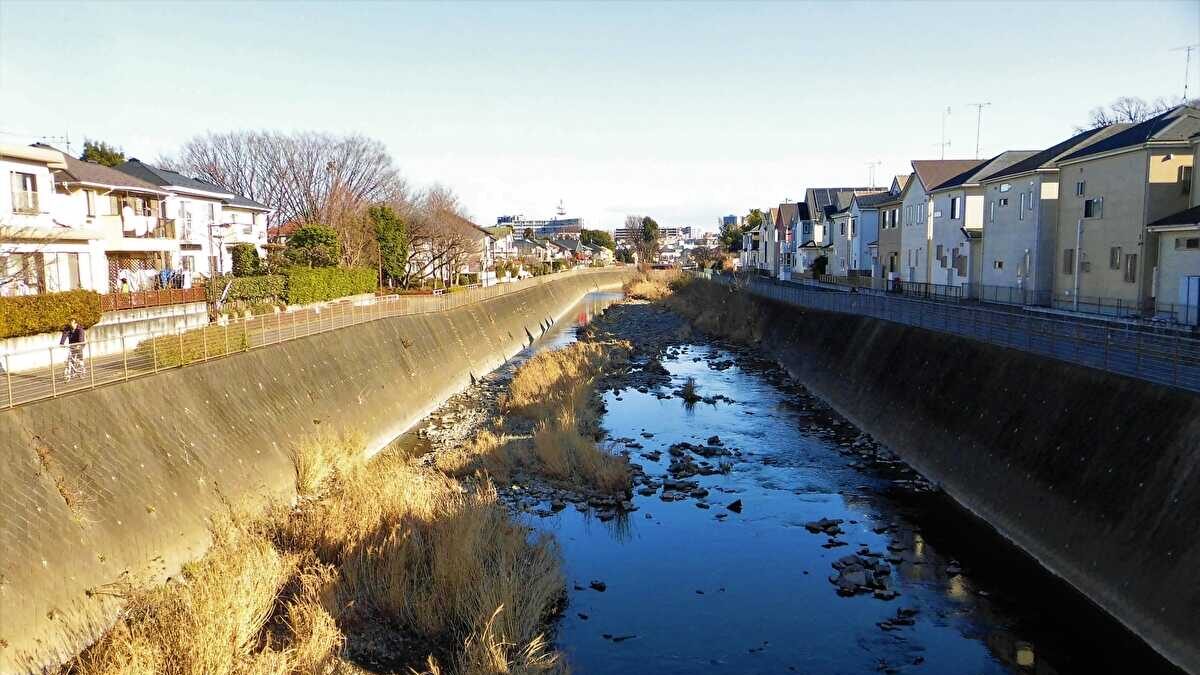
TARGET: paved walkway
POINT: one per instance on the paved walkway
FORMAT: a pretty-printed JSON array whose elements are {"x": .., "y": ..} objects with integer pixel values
[{"x": 1169, "y": 359}]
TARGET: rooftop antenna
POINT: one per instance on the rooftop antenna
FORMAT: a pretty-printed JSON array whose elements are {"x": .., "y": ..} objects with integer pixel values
[
  {"x": 944, "y": 142},
  {"x": 1187, "y": 65},
  {"x": 978, "y": 122},
  {"x": 871, "y": 171}
]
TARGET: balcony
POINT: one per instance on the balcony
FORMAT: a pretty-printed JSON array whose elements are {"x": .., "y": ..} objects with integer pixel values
[
  {"x": 148, "y": 227},
  {"x": 25, "y": 202}
]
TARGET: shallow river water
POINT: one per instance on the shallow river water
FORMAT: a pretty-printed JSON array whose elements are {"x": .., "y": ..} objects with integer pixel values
[{"x": 691, "y": 586}]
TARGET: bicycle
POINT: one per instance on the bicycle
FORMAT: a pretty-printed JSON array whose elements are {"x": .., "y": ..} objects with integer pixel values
[{"x": 75, "y": 365}]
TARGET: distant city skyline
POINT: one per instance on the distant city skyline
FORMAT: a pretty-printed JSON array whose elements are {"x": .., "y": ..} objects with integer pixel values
[{"x": 607, "y": 107}]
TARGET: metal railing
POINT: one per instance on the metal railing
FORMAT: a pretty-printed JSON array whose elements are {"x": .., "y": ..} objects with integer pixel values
[
  {"x": 168, "y": 296},
  {"x": 1170, "y": 359},
  {"x": 128, "y": 357}
]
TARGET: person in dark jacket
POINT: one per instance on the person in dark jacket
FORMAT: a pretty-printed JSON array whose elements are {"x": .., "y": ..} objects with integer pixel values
[{"x": 74, "y": 336}]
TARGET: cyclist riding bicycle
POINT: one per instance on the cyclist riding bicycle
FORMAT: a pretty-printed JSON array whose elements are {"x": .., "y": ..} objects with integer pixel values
[{"x": 74, "y": 336}]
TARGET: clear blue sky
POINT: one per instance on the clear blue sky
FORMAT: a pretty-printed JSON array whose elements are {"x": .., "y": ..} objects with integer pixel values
[{"x": 682, "y": 111}]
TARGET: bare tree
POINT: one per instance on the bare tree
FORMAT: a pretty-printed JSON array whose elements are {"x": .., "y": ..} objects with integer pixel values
[
  {"x": 1129, "y": 110},
  {"x": 304, "y": 177},
  {"x": 443, "y": 240}
]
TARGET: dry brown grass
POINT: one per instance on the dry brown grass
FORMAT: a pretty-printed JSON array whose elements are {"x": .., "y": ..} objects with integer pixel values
[
  {"x": 376, "y": 544},
  {"x": 556, "y": 391},
  {"x": 649, "y": 288}
]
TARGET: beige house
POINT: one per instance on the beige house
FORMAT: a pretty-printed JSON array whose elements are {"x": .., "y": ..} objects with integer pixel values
[
  {"x": 1110, "y": 192},
  {"x": 1177, "y": 275},
  {"x": 1020, "y": 223},
  {"x": 889, "y": 229}
]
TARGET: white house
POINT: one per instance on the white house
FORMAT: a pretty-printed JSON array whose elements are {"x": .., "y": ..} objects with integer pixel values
[
  {"x": 208, "y": 220},
  {"x": 863, "y": 232},
  {"x": 38, "y": 252},
  {"x": 956, "y": 221},
  {"x": 916, "y": 230}
]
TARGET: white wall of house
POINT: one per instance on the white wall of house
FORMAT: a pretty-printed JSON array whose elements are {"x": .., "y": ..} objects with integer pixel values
[
  {"x": 839, "y": 261},
  {"x": 865, "y": 231},
  {"x": 949, "y": 249},
  {"x": 1177, "y": 277},
  {"x": 35, "y": 245},
  {"x": 914, "y": 232}
]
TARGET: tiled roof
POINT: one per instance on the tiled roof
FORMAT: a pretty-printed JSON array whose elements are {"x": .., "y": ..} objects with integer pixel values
[
  {"x": 874, "y": 199},
  {"x": 934, "y": 172},
  {"x": 81, "y": 171},
  {"x": 985, "y": 168},
  {"x": 1047, "y": 159},
  {"x": 1186, "y": 217},
  {"x": 164, "y": 177},
  {"x": 1176, "y": 124}
]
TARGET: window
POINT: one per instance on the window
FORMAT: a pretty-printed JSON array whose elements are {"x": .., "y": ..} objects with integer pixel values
[
  {"x": 955, "y": 208},
  {"x": 1068, "y": 261},
  {"x": 842, "y": 228},
  {"x": 1004, "y": 201},
  {"x": 1114, "y": 258},
  {"x": 114, "y": 206},
  {"x": 212, "y": 213},
  {"x": 1093, "y": 208},
  {"x": 90, "y": 197},
  {"x": 188, "y": 262},
  {"x": 1187, "y": 243},
  {"x": 991, "y": 212},
  {"x": 1131, "y": 268},
  {"x": 24, "y": 193},
  {"x": 997, "y": 264},
  {"x": 1079, "y": 188},
  {"x": 1185, "y": 177}
]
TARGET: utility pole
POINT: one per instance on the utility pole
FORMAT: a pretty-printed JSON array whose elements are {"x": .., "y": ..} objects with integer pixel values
[
  {"x": 871, "y": 171},
  {"x": 944, "y": 142},
  {"x": 1187, "y": 65},
  {"x": 978, "y": 122}
]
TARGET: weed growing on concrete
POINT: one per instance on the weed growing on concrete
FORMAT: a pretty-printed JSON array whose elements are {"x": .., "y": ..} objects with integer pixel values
[{"x": 380, "y": 546}]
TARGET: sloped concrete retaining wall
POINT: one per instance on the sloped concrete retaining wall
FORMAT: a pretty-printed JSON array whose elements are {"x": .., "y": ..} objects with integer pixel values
[
  {"x": 1095, "y": 475},
  {"x": 119, "y": 481}
]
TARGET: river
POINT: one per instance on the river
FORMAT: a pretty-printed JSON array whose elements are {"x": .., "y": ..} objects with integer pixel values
[{"x": 692, "y": 586}]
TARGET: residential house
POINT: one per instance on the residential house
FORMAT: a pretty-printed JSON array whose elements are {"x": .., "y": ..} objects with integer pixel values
[
  {"x": 1020, "y": 223},
  {"x": 135, "y": 241},
  {"x": 1114, "y": 189},
  {"x": 815, "y": 232},
  {"x": 784, "y": 220},
  {"x": 38, "y": 253},
  {"x": 748, "y": 257},
  {"x": 207, "y": 219},
  {"x": 863, "y": 232},
  {"x": 533, "y": 249},
  {"x": 915, "y": 216},
  {"x": 456, "y": 247},
  {"x": 956, "y": 221},
  {"x": 839, "y": 227},
  {"x": 504, "y": 236},
  {"x": 889, "y": 228},
  {"x": 1177, "y": 275}
]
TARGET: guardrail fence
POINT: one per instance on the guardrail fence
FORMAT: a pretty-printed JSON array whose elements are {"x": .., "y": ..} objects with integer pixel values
[
  {"x": 1126, "y": 350},
  {"x": 88, "y": 365}
]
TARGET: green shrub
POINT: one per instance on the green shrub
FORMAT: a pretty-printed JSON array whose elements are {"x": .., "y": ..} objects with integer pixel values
[
  {"x": 47, "y": 313},
  {"x": 168, "y": 351},
  {"x": 245, "y": 260},
  {"x": 315, "y": 284}
]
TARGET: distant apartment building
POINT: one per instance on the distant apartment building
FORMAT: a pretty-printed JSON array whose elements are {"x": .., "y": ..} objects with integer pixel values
[
  {"x": 664, "y": 233},
  {"x": 727, "y": 221},
  {"x": 554, "y": 227}
]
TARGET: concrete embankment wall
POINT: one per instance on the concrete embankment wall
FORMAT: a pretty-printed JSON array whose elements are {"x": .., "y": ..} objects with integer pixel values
[
  {"x": 118, "y": 482},
  {"x": 1095, "y": 475}
]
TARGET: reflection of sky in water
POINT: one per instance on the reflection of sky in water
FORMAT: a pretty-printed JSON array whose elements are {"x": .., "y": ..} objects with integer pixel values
[{"x": 734, "y": 597}]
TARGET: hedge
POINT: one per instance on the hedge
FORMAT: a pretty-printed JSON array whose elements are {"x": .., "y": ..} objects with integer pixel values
[
  {"x": 167, "y": 351},
  {"x": 315, "y": 284},
  {"x": 47, "y": 313}
]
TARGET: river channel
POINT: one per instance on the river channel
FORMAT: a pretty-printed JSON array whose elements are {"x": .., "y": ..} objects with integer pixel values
[{"x": 695, "y": 586}]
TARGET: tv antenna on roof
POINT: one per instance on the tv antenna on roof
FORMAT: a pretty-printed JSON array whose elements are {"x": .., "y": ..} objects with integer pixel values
[
  {"x": 978, "y": 122},
  {"x": 945, "y": 143},
  {"x": 1187, "y": 65},
  {"x": 871, "y": 171}
]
